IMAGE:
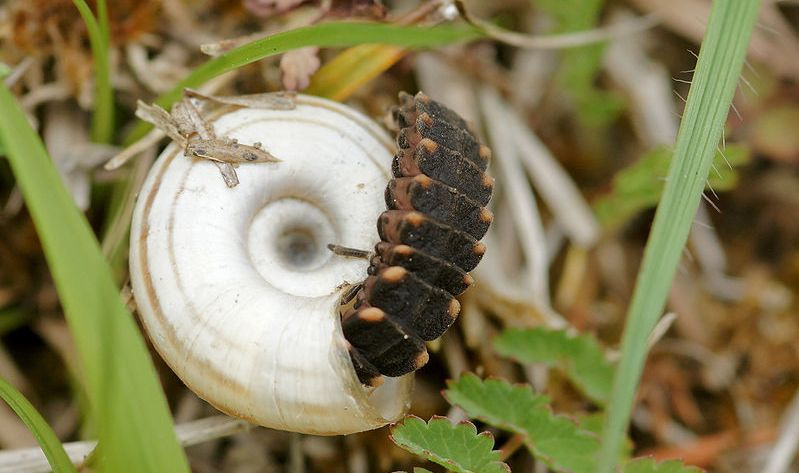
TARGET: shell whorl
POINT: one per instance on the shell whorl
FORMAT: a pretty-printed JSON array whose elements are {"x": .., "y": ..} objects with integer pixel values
[{"x": 235, "y": 286}]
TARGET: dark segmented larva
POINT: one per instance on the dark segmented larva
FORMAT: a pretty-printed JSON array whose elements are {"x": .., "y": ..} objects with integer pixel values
[{"x": 430, "y": 236}]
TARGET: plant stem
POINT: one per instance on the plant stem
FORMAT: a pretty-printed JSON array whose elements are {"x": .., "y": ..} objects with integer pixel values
[{"x": 717, "y": 71}]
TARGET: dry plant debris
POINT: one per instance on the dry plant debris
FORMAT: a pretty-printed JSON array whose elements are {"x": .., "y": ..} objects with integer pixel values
[{"x": 720, "y": 387}]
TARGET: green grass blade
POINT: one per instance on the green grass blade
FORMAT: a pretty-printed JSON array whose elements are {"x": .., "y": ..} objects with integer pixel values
[
  {"x": 99, "y": 38},
  {"x": 102, "y": 20},
  {"x": 717, "y": 72},
  {"x": 334, "y": 34},
  {"x": 47, "y": 439},
  {"x": 130, "y": 411}
]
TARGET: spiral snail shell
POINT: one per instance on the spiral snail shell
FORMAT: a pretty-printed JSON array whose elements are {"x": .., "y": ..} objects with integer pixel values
[{"x": 237, "y": 290}]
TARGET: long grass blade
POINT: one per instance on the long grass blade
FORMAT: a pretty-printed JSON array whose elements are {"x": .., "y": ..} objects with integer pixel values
[
  {"x": 99, "y": 39},
  {"x": 51, "y": 446},
  {"x": 130, "y": 411},
  {"x": 335, "y": 34},
  {"x": 717, "y": 71}
]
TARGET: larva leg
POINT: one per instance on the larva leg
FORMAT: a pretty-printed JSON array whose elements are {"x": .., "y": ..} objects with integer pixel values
[
  {"x": 349, "y": 252},
  {"x": 350, "y": 293}
]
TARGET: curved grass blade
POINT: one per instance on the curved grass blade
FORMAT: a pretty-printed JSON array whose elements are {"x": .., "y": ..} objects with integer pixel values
[
  {"x": 47, "y": 439},
  {"x": 335, "y": 34},
  {"x": 99, "y": 39},
  {"x": 130, "y": 411},
  {"x": 717, "y": 71}
]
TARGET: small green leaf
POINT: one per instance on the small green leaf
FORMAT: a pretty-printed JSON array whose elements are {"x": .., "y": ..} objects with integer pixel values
[
  {"x": 579, "y": 66},
  {"x": 47, "y": 439},
  {"x": 648, "y": 465},
  {"x": 421, "y": 470},
  {"x": 458, "y": 448},
  {"x": 640, "y": 185},
  {"x": 580, "y": 357},
  {"x": 5, "y": 70},
  {"x": 553, "y": 439}
]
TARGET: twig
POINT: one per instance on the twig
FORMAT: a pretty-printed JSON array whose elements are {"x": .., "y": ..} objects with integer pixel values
[
  {"x": 559, "y": 41},
  {"x": 522, "y": 202},
  {"x": 553, "y": 184},
  {"x": 32, "y": 460},
  {"x": 511, "y": 446},
  {"x": 18, "y": 71}
]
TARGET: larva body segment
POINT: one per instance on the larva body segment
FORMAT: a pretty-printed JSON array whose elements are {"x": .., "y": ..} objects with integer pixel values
[
  {"x": 445, "y": 165},
  {"x": 439, "y": 202},
  {"x": 415, "y": 229},
  {"x": 435, "y": 271},
  {"x": 430, "y": 235},
  {"x": 427, "y": 310}
]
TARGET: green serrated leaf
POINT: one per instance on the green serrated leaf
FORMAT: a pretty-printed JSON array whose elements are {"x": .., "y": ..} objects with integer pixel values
[
  {"x": 648, "y": 465},
  {"x": 640, "y": 185},
  {"x": 580, "y": 357},
  {"x": 553, "y": 439},
  {"x": 458, "y": 448}
]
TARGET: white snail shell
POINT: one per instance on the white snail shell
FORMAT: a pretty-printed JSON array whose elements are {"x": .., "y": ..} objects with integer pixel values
[{"x": 236, "y": 288}]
